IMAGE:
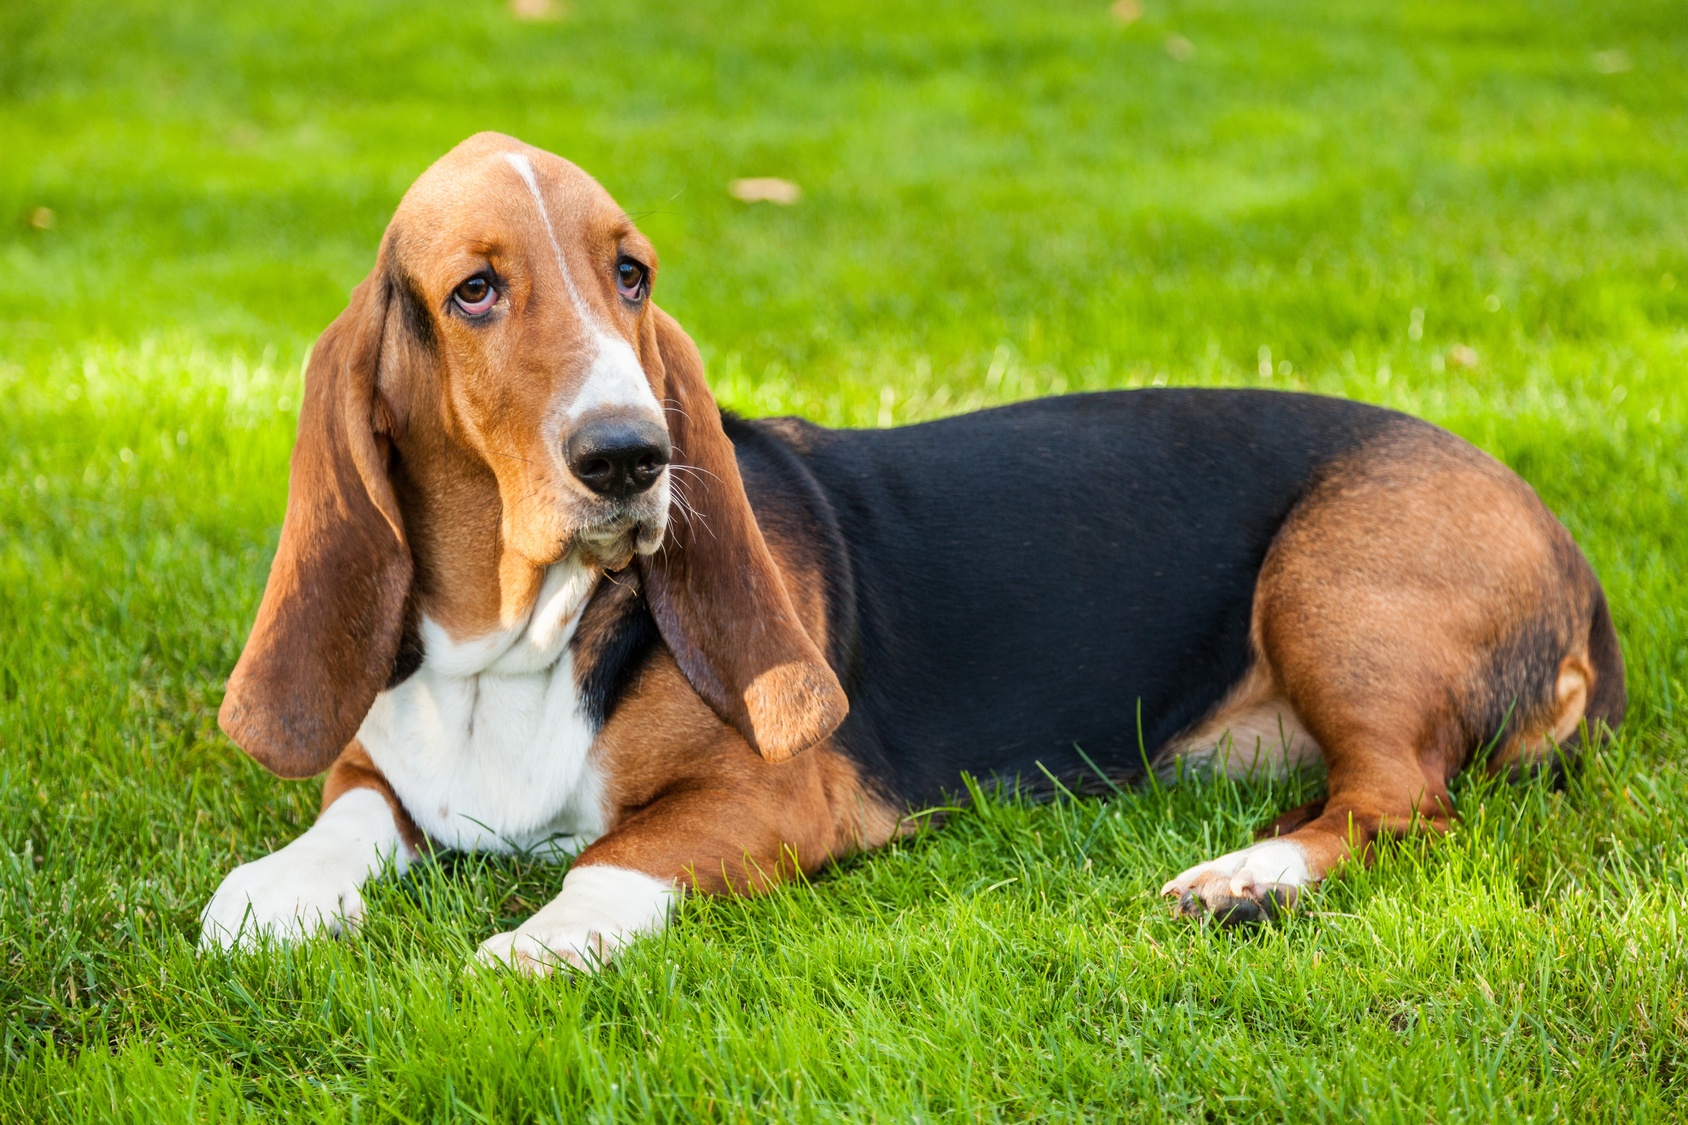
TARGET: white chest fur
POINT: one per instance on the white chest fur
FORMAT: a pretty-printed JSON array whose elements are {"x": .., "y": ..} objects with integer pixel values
[{"x": 485, "y": 744}]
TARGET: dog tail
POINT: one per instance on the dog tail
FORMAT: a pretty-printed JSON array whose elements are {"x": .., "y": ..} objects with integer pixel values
[
  {"x": 1608, "y": 697},
  {"x": 1582, "y": 702}
]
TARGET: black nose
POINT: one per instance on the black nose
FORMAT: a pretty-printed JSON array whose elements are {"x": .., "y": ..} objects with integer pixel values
[{"x": 618, "y": 457}]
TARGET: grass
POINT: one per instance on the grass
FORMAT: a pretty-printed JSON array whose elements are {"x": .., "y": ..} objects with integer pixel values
[{"x": 1474, "y": 211}]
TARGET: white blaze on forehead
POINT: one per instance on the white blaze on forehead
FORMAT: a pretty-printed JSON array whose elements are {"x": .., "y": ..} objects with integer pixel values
[
  {"x": 524, "y": 169},
  {"x": 616, "y": 377}
]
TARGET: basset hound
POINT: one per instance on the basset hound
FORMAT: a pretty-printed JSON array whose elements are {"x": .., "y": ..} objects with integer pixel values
[{"x": 534, "y": 591}]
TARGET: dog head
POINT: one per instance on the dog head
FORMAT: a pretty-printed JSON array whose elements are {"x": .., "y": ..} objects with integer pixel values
[{"x": 500, "y": 394}]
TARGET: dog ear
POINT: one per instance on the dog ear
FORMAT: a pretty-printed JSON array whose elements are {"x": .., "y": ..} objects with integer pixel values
[
  {"x": 329, "y": 626},
  {"x": 718, "y": 597}
]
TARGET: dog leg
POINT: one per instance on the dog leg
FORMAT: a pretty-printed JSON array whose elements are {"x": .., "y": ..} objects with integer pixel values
[
  {"x": 1381, "y": 792},
  {"x": 314, "y": 884},
  {"x": 624, "y": 885},
  {"x": 1419, "y": 603},
  {"x": 601, "y": 908}
]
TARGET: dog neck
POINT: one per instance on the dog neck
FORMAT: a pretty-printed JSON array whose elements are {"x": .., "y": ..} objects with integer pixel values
[{"x": 532, "y": 643}]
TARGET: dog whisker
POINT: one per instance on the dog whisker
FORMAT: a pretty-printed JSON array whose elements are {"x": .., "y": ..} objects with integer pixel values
[{"x": 510, "y": 456}]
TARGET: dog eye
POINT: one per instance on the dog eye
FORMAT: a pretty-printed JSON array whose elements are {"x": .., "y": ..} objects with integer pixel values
[
  {"x": 475, "y": 296},
  {"x": 630, "y": 279}
]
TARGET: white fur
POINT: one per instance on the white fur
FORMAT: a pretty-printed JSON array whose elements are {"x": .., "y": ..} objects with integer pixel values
[
  {"x": 524, "y": 169},
  {"x": 311, "y": 884},
  {"x": 600, "y": 909},
  {"x": 1279, "y": 865},
  {"x": 1257, "y": 746},
  {"x": 615, "y": 378},
  {"x": 485, "y": 744}
]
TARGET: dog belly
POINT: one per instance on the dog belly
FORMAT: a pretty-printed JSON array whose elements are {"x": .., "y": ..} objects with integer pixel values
[{"x": 1253, "y": 733}]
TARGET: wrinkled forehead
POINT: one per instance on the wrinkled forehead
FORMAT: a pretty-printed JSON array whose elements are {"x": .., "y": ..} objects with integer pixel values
[{"x": 493, "y": 194}]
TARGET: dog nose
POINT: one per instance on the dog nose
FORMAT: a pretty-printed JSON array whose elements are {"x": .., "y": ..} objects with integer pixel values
[{"x": 618, "y": 457}]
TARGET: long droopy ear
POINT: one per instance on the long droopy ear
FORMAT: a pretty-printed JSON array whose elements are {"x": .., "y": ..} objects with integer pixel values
[
  {"x": 328, "y": 628},
  {"x": 718, "y": 597}
]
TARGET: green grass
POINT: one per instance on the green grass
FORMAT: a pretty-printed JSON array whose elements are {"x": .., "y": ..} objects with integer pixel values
[{"x": 1000, "y": 201}]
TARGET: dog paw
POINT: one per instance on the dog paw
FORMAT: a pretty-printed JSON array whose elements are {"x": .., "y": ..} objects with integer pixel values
[
  {"x": 311, "y": 886},
  {"x": 283, "y": 897},
  {"x": 541, "y": 951},
  {"x": 1252, "y": 885},
  {"x": 600, "y": 909}
]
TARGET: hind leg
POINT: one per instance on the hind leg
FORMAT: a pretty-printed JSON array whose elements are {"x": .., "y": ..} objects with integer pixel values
[
  {"x": 1378, "y": 784},
  {"x": 1390, "y": 758},
  {"x": 1419, "y": 604},
  {"x": 1383, "y": 742}
]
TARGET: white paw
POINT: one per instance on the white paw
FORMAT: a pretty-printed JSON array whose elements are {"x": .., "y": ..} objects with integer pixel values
[
  {"x": 286, "y": 896},
  {"x": 540, "y": 951},
  {"x": 1250, "y": 885},
  {"x": 600, "y": 910},
  {"x": 312, "y": 885}
]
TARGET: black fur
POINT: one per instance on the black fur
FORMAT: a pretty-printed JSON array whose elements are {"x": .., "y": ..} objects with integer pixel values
[
  {"x": 615, "y": 638},
  {"x": 411, "y": 652},
  {"x": 1058, "y": 587},
  {"x": 1610, "y": 698},
  {"x": 413, "y": 310}
]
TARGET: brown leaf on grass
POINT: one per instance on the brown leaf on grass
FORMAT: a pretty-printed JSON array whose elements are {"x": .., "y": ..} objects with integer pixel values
[
  {"x": 1126, "y": 12},
  {"x": 1461, "y": 356},
  {"x": 765, "y": 189},
  {"x": 537, "y": 11},
  {"x": 1615, "y": 61},
  {"x": 42, "y": 218}
]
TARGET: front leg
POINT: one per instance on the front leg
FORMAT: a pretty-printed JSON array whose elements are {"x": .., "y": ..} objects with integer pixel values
[
  {"x": 693, "y": 809},
  {"x": 315, "y": 883},
  {"x": 625, "y": 884}
]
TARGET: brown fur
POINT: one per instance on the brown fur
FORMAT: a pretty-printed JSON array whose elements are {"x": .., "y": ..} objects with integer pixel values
[
  {"x": 717, "y": 594},
  {"x": 353, "y": 769},
  {"x": 1254, "y": 730},
  {"x": 1419, "y": 601},
  {"x": 687, "y": 798},
  {"x": 330, "y": 622}
]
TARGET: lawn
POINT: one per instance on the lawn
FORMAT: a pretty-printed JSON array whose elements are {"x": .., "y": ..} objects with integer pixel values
[{"x": 1477, "y": 212}]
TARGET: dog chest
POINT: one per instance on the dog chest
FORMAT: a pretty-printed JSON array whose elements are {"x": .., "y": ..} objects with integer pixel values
[{"x": 485, "y": 744}]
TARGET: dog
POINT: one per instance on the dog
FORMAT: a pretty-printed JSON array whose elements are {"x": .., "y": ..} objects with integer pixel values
[{"x": 535, "y": 592}]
